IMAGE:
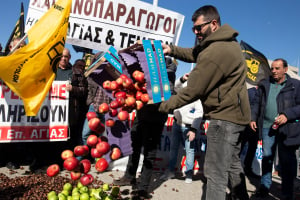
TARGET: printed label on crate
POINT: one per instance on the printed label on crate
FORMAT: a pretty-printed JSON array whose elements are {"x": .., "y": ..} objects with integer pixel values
[
  {"x": 153, "y": 71},
  {"x": 163, "y": 69}
]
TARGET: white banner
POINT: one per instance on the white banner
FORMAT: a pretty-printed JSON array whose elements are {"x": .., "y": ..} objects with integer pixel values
[
  {"x": 97, "y": 24},
  {"x": 50, "y": 124}
]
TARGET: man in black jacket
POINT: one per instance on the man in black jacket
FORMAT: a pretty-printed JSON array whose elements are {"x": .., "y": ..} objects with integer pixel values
[{"x": 274, "y": 115}]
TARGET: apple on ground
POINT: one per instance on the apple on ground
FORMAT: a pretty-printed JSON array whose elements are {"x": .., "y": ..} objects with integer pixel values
[
  {"x": 103, "y": 147},
  {"x": 127, "y": 83},
  {"x": 123, "y": 115},
  {"x": 101, "y": 165},
  {"x": 109, "y": 122},
  {"x": 115, "y": 153},
  {"x": 119, "y": 82},
  {"x": 90, "y": 115},
  {"x": 138, "y": 76},
  {"x": 85, "y": 166},
  {"x": 103, "y": 108},
  {"x": 95, "y": 153},
  {"x": 53, "y": 170},
  {"x": 86, "y": 179},
  {"x": 71, "y": 164},
  {"x": 121, "y": 101},
  {"x": 67, "y": 154},
  {"x": 92, "y": 140},
  {"x": 80, "y": 150},
  {"x": 75, "y": 175},
  {"x": 120, "y": 94},
  {"x": 138, "y": 95}
]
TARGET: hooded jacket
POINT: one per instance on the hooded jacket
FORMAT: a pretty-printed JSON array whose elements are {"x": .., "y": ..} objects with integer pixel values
[{"x": 218, "y": 78}]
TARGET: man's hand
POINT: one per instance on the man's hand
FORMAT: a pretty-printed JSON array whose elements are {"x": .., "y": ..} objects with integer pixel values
[
  {"x": 253, "y": 126},
  {"x": 166, "y": 49},
  {"x": 281, "y": 119},
  {"x": 191, "y": 135},
  {"x": 69, "y": 87}
]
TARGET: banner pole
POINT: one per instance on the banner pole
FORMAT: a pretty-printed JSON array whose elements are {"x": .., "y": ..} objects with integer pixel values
[{"x": 18, "y": 44}]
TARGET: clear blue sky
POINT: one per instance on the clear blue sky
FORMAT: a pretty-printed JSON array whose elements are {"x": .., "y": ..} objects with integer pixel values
[{"x": 270, "y": 26}]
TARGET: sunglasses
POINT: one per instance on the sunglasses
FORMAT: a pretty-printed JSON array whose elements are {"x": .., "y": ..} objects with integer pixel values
[{"x": 199, "y": 27}]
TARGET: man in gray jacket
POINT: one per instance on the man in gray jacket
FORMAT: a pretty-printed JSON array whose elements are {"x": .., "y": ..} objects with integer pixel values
[{"x": 218, "y": 80}]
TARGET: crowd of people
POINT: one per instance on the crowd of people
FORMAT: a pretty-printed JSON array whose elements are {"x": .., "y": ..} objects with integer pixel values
[{"x": 215, "y": 91}]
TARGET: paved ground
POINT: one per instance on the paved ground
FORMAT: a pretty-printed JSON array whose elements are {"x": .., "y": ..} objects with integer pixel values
[{"x": 175, "y": 189}]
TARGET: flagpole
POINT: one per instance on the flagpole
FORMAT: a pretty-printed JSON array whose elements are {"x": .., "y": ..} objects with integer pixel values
[{"x": 18, "y": 44}]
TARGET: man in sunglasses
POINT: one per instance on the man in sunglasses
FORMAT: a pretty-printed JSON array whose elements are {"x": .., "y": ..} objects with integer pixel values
[{"x": 218, "y": 80}]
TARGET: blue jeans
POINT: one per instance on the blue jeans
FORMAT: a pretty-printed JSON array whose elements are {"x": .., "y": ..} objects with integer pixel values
[
  {"x": 269, "y": 149},
  {"x": 179, "y": 136},
  {"x": 287, "y": 161},
  {"x": 222, "y": 162},
  {"x": 86, "y": 131}
]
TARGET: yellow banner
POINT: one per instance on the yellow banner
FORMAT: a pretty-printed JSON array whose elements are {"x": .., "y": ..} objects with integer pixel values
[{"x": 29, "y": 71}]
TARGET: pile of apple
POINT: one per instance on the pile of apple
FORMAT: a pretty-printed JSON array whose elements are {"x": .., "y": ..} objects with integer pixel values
[
  {"x": 128, "y": 95},
  {"x": 79, "y": 169},
  {"x": 81, "y": 192}
]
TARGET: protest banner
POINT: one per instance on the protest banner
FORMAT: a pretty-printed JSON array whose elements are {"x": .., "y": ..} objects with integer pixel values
[
  {"x": 98, "y": 24},
  {"x": 50, "y": 123}
]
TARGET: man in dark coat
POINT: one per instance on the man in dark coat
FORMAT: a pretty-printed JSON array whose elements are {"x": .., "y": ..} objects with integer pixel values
[{"x": 274, "y": 115}]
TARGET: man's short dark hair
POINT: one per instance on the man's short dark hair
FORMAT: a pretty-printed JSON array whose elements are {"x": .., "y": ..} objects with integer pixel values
[
  {"x": 284, "y": 62},
  {"x": 209, "y": 12}
]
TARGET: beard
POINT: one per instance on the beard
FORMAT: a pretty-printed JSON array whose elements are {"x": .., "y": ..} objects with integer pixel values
[{"x": 202, "y": 36}]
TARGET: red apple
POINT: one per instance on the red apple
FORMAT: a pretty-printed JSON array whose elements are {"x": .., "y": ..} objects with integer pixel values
[
  {"x": 139, "y": 76},
  {"x": 53, "y": 170},
  {"x": 145, "y": 98},
  {"x": 92, "y": 140},
  {"x": 103, "y": 108},
  {"x": 109, "y": 122},
  {"x": 119, "y": 82},
  {"x": 123, "y": 115},
  {"x": 85, "y": 166},
  {"x": 106, "y": 85},
  {"x": 130, "y": 101},
  {"x": 103, "y": 147},
  {"x": 86, "y": 148},
  {"x": 114, "y": 104},
  {"x": 90, "y": 115},
  {"x": 101, "y": 165},
  {"x": 127, "y": 83},
  {"x": 80, "y": 150},
  {"x": 75, "y": 175},
  {"x": 115, "y": 153},
  {"x": 95, "y": 153},
  {"x": 71, "y": 164},
  {"x": 120, "y": 94},
  {"x": 123, "y": 76},
  {"x": 67, "y": 154},
  {"x": 121, "y": 101},
  {"x": 114, "y": 85},
  {"x": 86, "y": 179},
  {"x": 113, "y": 112},
  {"x": 139, "y": 104},
  {"x": 138, "y": 95},
  {"x": 96, "y": 125}
]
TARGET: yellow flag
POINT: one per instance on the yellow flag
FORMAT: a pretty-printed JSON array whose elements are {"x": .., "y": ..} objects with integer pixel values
[{"x": 29, "y": 71}]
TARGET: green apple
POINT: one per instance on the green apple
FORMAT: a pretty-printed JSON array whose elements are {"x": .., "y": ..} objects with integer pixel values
[
  {"x": 84, "y": 196},
  {"x": 79, "y": 185},
  {"x": 67, "y": 186},
  {"x": 53, "y": 197},
  {"x": 93, "y": 198},
  {"x": 108, "y": 197},
  {"x": 105, "y": 187},
  {"x": 75, "y": 190},
  {"x": 61, "y": 196},
  {"x": 65, "y": 192},
  {"x": 52, "y": 193},
  {"x": 69, "y": 198},
  {"x": 115, "y": 191},
  {"x": 84, "y": 189}
]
